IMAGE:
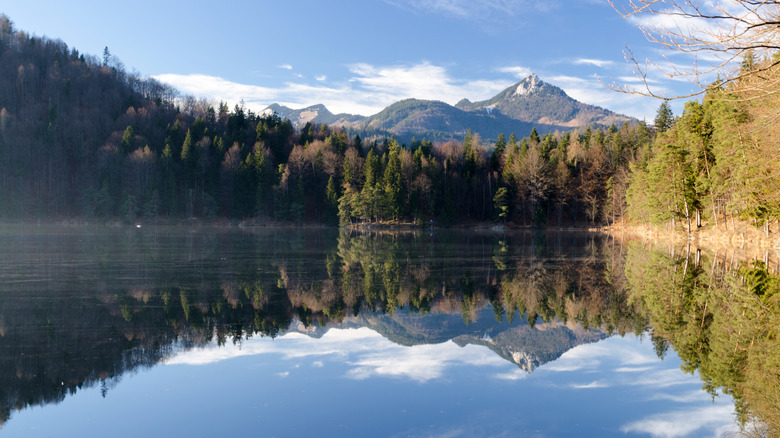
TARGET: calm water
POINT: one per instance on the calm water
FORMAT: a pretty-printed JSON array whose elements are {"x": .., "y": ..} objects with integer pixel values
[{"x": 285, "y": 332}]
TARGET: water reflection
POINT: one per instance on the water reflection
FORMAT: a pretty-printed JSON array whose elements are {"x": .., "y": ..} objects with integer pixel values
[
  {"x": 722, "y": 319},
  {"x": 83, "y": 307}
]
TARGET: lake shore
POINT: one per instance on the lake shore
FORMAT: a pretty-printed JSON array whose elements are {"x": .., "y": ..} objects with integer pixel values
[{"x": 740, "y": 241}]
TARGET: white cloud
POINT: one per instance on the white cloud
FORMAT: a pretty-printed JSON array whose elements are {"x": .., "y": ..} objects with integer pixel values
[
  {"x": 482, "y": 10},
  {"x": 635, "y": 80},
  {"x": 632, "y": 369},
  {"x": 667, "y": 20},
  {"x": 515, "y": 374},
  {"x": 291, "y": 346},
  {"x": 593, "y": 92},
  {"x": 596, "y": 62},
  {"x": 517, "y": 70},
  {"x": 286, "y": 67},
  {"x": 422, "y": 81},
  {"x": 592, "y": 385},
  {"x": 712, "y": 418},
  {"x": 624, "y": 351},
  {"x": 422, "y": 362},
  {"x": 321, "y": 78},
  {"x": 366, "y": 353},
  {"x": 660, "y": 378},
  {"x": 694, "y": 396}
]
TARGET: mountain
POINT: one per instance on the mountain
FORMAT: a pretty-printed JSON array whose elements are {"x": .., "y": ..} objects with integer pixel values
[
  {"x": 438, "y": 120},
  {"x": 517, "y": 342},
  {"x": 313, "y": 114},
  {"x": 529, "y": 348},
  {"x": 525, "y": 346},
  {"x": 534, "y": 101},
  {"x": 529, "y": 103}
]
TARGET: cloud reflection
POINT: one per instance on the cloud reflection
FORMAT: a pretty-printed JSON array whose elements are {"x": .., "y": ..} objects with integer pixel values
[
  {"x": 714, "y": 419},
  {"x": 366, "y": 353},
  {"x": 617, "y": 362}
]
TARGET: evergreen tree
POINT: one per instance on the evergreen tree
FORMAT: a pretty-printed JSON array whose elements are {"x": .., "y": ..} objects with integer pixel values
[
  {"x": 393, "y": 182},
  {"x": 498, "y": 153},
  {"x": 664, "y": 119}
]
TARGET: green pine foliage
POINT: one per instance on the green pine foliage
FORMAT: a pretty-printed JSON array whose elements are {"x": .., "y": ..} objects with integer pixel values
[{"x": 715, "y": 163}]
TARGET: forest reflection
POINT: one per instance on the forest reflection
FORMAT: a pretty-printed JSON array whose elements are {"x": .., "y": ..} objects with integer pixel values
[
  {"x": 722, "y": 318},
  {"x": 79, "y": 308}
]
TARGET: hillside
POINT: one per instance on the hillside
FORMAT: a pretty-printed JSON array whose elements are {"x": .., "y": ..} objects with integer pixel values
[
  {"x": 438, "y": 120},
  {"x": 62, "y": 114}
]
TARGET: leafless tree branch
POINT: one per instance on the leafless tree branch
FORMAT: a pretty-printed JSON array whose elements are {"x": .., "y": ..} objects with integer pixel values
[{"x": 722, "y": 37}]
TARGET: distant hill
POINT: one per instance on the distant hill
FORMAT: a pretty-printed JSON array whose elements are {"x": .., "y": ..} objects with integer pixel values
[
  {"x": 438, "y": 120},
  {"x": 529, "y": 103},
  {"x": 313, "y": 114}
]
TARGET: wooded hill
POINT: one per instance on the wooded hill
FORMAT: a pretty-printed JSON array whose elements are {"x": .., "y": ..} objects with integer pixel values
[{"x": 82, "y": 138}]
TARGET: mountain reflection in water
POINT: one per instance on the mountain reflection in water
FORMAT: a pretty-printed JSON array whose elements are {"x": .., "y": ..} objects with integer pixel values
[{"x": 81, "y": 307}]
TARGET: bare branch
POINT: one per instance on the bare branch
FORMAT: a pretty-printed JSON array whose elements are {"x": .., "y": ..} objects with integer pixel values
[{"x": 719, "y": 36}]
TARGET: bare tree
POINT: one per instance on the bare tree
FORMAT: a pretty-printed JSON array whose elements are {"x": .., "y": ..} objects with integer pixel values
[{"x": 729, "y": 41}]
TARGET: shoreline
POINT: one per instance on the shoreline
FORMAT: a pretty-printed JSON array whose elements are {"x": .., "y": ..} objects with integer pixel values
[
  {"x": 740, "y": 236},
  {"x": 742, "y": 242}
]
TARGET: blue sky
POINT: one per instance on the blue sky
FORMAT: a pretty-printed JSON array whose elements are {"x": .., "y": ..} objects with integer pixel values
[{"x": 358, "y": 56}]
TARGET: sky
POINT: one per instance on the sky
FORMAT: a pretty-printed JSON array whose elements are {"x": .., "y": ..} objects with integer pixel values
[{"x": 359, "y": 56}]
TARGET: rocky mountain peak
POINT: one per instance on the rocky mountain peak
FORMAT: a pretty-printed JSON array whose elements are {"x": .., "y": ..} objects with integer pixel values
[{"x": 528, "y": 85}]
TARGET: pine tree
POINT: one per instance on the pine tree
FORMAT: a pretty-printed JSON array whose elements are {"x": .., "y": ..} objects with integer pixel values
[
  {"x": 393, "y": 182},
  {"x": 498, "y": 153},
  {"x": 664, "y": 119}
]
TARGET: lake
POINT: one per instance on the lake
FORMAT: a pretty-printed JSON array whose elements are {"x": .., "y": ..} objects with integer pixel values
[{"x": 278, "y": 332}]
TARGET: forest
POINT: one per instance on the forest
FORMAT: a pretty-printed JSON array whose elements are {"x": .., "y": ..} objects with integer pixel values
[{"x": 82, "y": 138}]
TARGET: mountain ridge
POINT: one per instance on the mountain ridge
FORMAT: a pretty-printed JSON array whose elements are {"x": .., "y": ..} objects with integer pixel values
[{"x": 517, "y": 109}]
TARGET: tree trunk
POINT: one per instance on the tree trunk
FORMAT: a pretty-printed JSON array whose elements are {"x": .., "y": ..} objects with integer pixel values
[{"x": 715, "y": 215}]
